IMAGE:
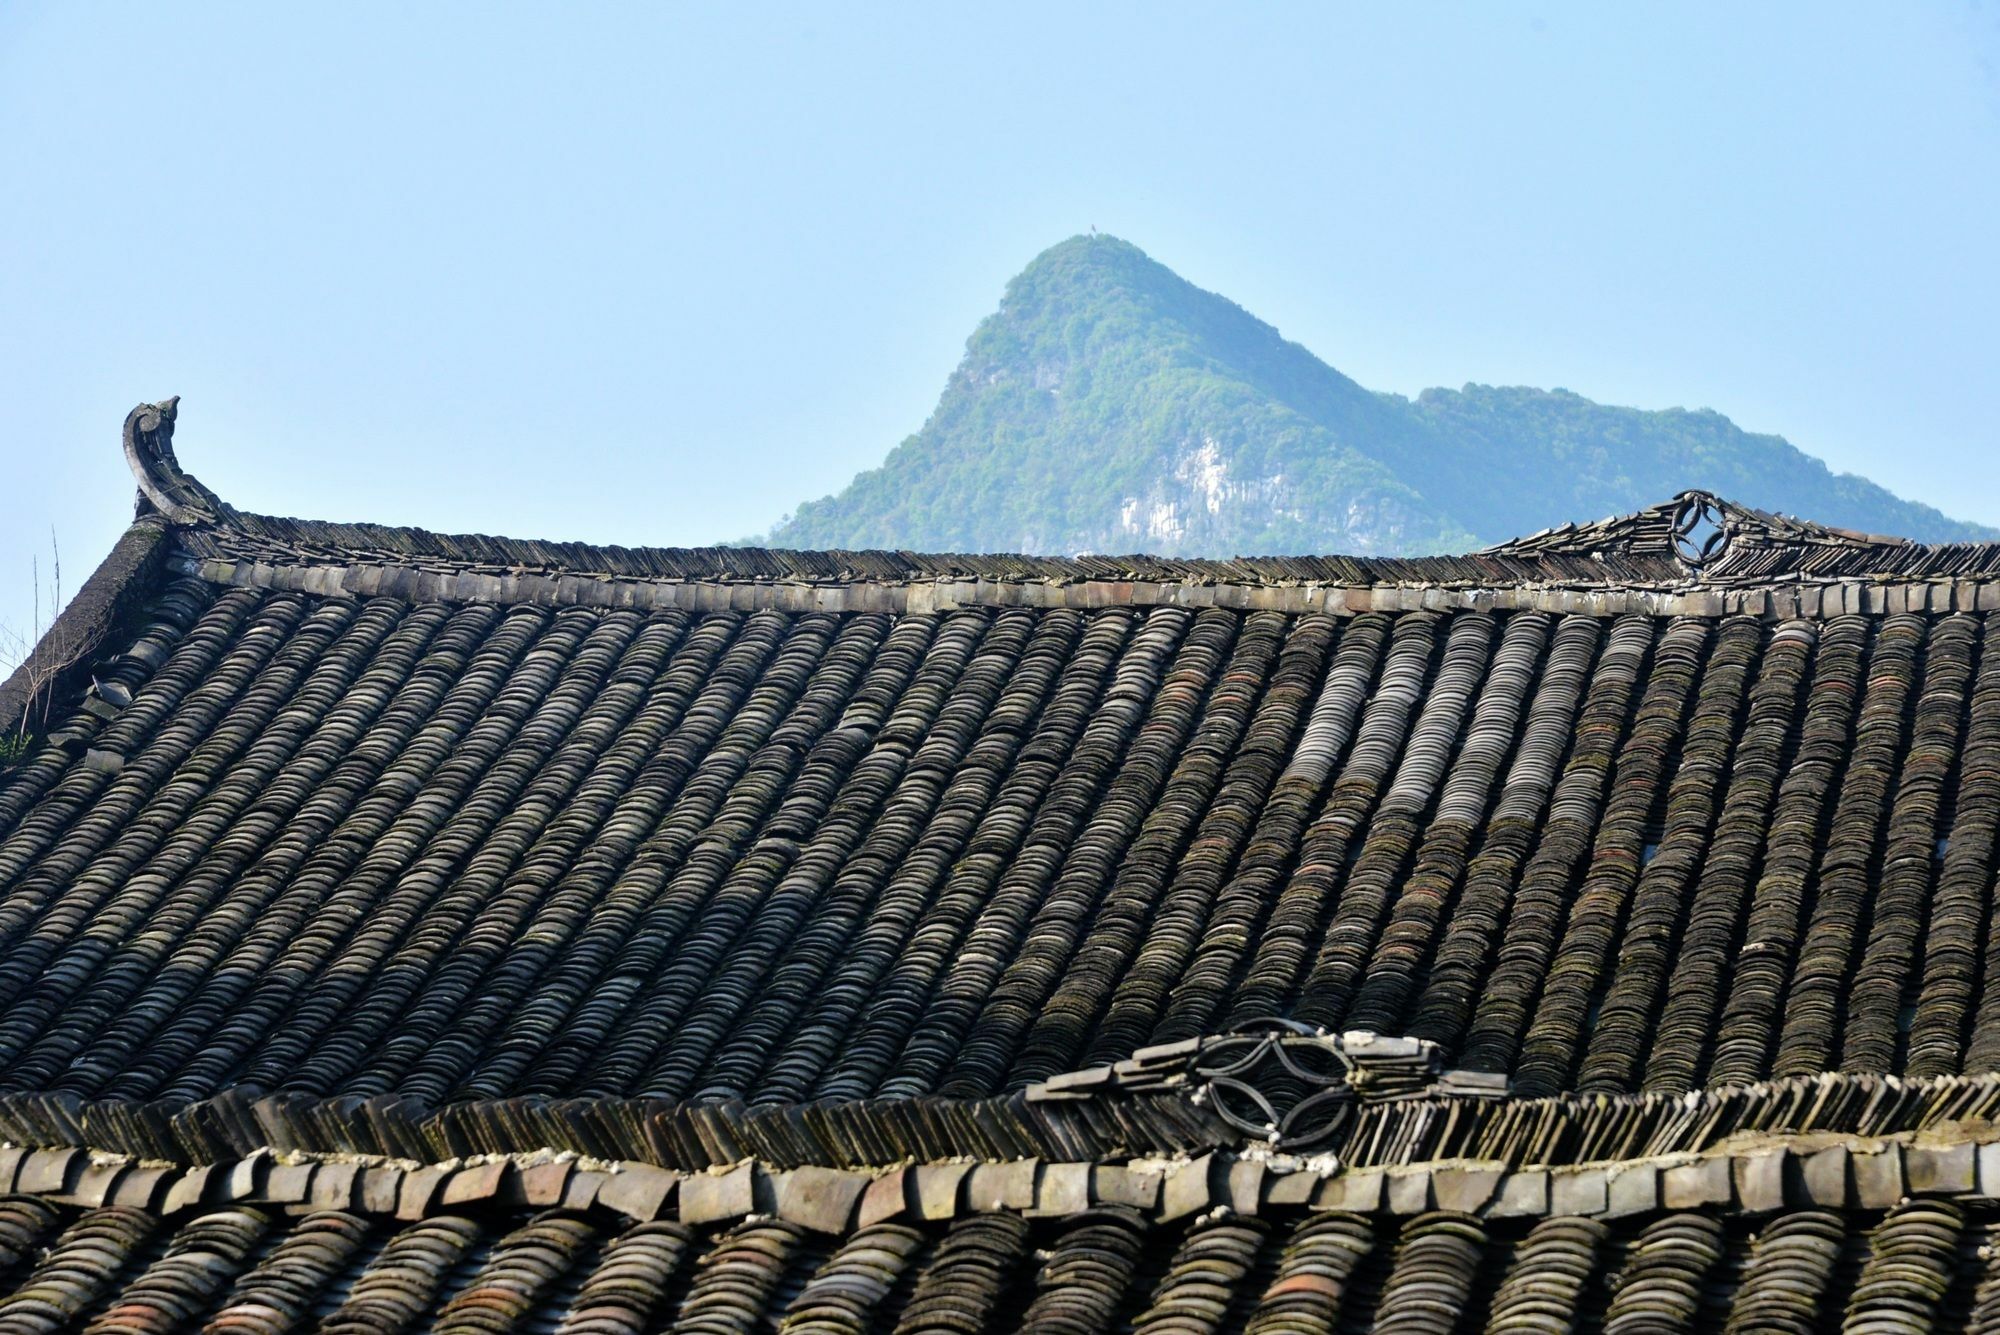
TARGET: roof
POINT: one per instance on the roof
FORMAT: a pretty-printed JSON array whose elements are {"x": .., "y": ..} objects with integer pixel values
[
  {"x": 1920, "y": 1267},
  {"x": 1612, "y": 854},
  {"x": 1695, "y": 553}
]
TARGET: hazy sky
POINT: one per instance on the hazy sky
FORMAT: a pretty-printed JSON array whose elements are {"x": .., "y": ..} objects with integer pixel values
[{"x": 654, "y": 274}]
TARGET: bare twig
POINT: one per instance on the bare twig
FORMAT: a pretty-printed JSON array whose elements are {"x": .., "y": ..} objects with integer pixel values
[{"x": 46, "y": 650}]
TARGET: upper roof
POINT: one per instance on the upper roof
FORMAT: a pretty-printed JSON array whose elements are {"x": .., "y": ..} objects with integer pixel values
[
  {"x": 1693, "y": 553},
  {"x": 359, "y": 841}
]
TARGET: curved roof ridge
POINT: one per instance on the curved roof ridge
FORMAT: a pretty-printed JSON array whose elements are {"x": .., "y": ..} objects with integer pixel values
[{"x": 1694, "y": 539}]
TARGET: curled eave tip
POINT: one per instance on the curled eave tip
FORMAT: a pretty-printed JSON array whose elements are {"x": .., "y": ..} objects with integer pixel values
[{"x": 163, "y": 487}]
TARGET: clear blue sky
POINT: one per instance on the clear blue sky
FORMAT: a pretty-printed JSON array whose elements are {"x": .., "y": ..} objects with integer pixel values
[{"x": 653, "y": 274}]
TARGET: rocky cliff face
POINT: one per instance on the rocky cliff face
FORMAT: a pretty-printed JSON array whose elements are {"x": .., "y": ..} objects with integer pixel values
[{"x": 1203, "y": 501}]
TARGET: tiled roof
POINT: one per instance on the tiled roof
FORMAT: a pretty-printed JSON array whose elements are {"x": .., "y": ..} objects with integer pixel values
[
  {"x": 342, "y": 845},
  {"x": 1922, "y": 1266},
  {"x": 355, "y": 840}
]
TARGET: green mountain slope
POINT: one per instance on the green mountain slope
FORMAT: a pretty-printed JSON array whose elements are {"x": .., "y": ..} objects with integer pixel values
[{"x": 1109, "y": 405}]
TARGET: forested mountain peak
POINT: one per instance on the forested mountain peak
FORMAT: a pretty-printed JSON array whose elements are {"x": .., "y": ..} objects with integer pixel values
[{"x": 1111, "y": 405}]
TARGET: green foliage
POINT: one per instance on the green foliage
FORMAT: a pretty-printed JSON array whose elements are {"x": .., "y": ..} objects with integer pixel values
[
  {"x": 1109, "y": 405},
  {"x": 1547, "y": 456}
]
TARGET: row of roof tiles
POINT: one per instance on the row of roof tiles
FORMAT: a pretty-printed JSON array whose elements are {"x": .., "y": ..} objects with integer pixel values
[
  {"x": 1755, "y": 1177},
  {"x": 1922, "y": 1266},
  {"x": 1936, "y": 1120},
  {"x": 1825, "y": 598}
]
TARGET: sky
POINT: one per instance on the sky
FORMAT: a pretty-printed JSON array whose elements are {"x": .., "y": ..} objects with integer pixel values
[{"x": 653, "y": 274}]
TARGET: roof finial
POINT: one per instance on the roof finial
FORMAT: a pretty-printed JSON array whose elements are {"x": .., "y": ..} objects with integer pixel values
[{"x": 149, "y": 450}]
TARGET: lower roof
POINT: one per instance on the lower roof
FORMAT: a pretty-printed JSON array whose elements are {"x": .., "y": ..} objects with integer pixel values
[{"x": 1921, "y": 1266}]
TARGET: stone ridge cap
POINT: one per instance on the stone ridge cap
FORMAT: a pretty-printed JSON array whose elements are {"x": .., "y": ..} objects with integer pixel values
[
  {"x": 1150, "y": 1114},
  {"x": 1782, "y": 596},
  {"x": 1821, "y": 1172},
  {"x": 1655, "y": 550},
  {"x": 282, "y": 541},
  {"x": 1834, "y": 1140}
]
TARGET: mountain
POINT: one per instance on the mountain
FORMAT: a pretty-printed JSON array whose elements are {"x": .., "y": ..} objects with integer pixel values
[{"x": 1110, "y": 405}]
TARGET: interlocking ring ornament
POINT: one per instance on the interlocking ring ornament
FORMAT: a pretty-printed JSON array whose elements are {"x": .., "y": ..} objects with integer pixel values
[
  {"x": 1699, "y": 535},
  {"x": 1274, "y": 1055}
]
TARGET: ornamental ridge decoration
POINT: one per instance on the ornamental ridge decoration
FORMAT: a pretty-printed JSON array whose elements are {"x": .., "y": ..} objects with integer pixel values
[
  {"x": 149, "y": 452},
  {"x": 1277, "y": 1081},
  {"x": 1246, "y": 1076},
  {"x": 1697, "y": 530}
]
